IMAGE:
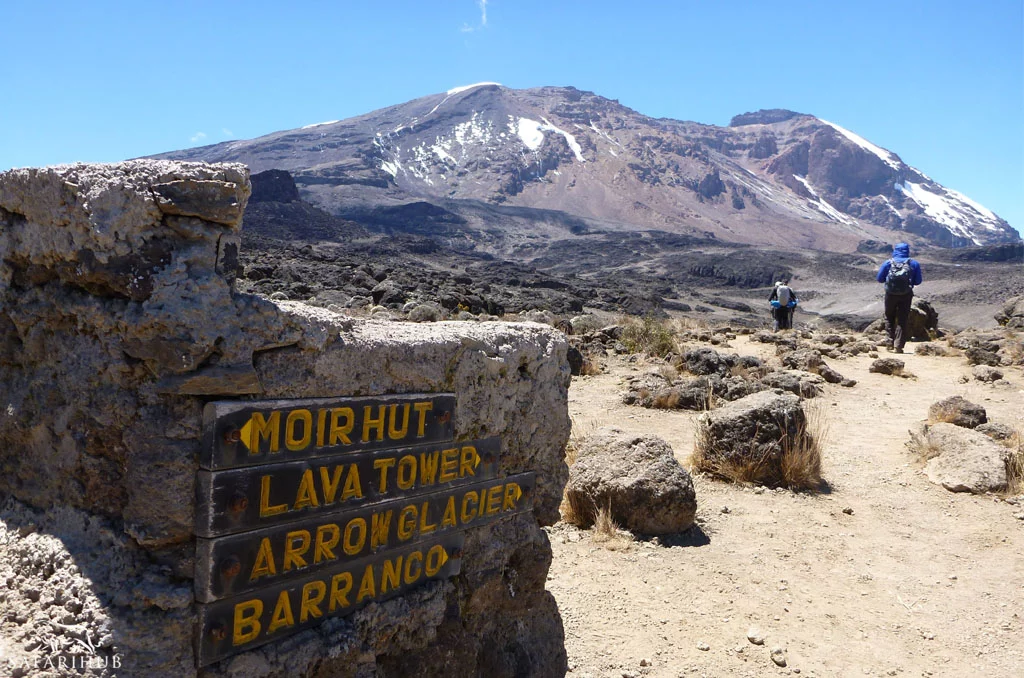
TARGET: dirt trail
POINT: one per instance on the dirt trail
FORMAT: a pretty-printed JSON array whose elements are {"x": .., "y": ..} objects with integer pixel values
[{"x": 915, "y": 581}]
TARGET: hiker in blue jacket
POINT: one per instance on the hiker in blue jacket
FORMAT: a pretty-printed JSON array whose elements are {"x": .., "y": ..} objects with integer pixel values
[{"x": 900, "y": 274}]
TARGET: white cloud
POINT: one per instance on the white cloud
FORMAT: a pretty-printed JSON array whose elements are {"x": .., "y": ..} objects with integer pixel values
[
  {"x": 197, "y": 137},
  {"x": 482, "y": 4},
  {"x": 228, "y": 133}
]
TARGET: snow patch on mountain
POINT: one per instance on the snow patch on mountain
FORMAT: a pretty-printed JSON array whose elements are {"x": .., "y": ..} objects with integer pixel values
[
  {"x": 531, "y": 133},
  {"x": 953, "y": 210},
  {"x": 886, "y": 157},
  {"x": 456, "y": 90},
  {"x": 824, "y": 205},
  {"x": 318, "y": 124}
]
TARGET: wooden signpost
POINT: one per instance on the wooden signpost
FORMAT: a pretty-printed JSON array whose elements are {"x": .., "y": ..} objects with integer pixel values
[{"x": 310, "y": 509}]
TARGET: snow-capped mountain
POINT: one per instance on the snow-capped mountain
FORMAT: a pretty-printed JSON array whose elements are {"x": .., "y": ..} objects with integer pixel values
[{"x": 489, "y": 158}]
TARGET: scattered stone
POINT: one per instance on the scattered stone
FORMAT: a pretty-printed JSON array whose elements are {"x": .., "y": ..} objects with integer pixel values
[
  {"x": 959, "y": 411},
  {"x": 703, "y": 647},
  {"x": 929, "y": 348},
  {"x": 755, "y": 636},
  {"x": 986, "y": 373},
  {"x": 848, "y": 511},
  {"x": 965, "y": 460},
  {"x": 979, "y": 356},
  {"x": 891, "y": 366},
  {"x": 637, "y": 478},
  {"x": 995, "y": 431},
  {"x": 725, "y": 509},
  {"x": 778, "y": 656}
]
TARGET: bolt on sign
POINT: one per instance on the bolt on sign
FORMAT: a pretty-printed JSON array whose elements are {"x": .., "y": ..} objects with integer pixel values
[{"x": 310, "y": 509}]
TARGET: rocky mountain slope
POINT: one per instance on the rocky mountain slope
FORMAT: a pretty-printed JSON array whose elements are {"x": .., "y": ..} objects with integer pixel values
[{"x": 499, "y": 170}]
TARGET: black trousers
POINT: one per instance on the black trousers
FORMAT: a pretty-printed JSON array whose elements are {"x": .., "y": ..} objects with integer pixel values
[{"x": 897, "y": 313}]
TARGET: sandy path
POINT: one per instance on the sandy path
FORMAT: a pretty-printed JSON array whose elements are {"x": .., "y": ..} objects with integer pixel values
[{"x": 917, "y": 581}]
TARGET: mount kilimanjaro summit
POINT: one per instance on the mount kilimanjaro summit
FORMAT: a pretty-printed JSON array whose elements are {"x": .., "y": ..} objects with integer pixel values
[{"x": 499, "y": 170}]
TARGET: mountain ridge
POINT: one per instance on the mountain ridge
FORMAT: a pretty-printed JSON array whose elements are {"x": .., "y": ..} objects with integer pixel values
[{"x": 773, "y": 176}]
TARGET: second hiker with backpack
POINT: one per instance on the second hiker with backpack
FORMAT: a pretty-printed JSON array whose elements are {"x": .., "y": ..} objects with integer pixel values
[
  {"x": 900, "y": 274},
  {"x": 783, "y": 300}
]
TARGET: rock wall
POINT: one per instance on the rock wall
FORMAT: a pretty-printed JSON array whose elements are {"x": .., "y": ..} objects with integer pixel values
[{"x": 118, "y": 322}]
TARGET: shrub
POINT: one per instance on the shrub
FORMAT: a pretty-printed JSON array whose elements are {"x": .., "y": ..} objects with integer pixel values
[
  {"x": 1015, "y": 464},
  {"x": 650, "y": 336}
]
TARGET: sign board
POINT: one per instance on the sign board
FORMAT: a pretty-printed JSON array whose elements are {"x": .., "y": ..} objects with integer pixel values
[
  {"x": 310, "y": 509},
  {"x": 254, "y": 432}
]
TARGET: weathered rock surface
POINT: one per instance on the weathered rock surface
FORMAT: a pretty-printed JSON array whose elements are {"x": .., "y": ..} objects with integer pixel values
[
  {"x": 986, "y": 373},
  {"x": 958, "y": 411},
  {"x": 966, "y": 461},
  {"x": 923, "y": 322},
  {"x": 995, "y": 430},
  {"x": 1012, "y": 313},
  {"x": 892, "y": 366},
  {"x": 751, "y": 433},
  {"x": 119, "y": 320},
  {"x": 637, "y": 479},
  {"x": 810, "y": 360}
]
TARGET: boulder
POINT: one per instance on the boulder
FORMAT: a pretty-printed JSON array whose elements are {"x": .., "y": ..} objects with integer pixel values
[
  {"x": 923, "y": 322},
  {"x": 1012, "y": 313},
  {"x": 965, "y": 460},
  {"x": 891, "y": 366},
  {"x": 929, "y": 348},
  {"x": 705, "y": 361},
  {"x": 996, "y": 431},
  {"x": 636, "y": 478},
  {"x": 750, "y": 438},
  {"x": 804, "y": 384},
  {"x": 977, "y": 355},
  {"x": 986, "y": 373},
  {"x": 957, "y": 411},
  {"x": 810, "y": 360}
]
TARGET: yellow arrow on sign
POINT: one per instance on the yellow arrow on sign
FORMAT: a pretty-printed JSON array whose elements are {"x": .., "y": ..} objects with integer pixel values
[{"x": 247, "y": 435}]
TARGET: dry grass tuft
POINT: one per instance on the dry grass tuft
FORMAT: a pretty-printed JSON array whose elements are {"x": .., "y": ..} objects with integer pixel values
[
  {"x": 607, "y": 532},
  {"x": 921, "y": 446},
  {"x": 591, "y": 367},
  {"x": 666, "y": 400},
  {"x": 1015, "y": 464},
  {"x": 704, "y": 459},
  {"x": 946, "y": 414},
  {"x": 801, "y": 454},
  {"x": 669, "y": 372},
  {"x": 650, "y": 336}
]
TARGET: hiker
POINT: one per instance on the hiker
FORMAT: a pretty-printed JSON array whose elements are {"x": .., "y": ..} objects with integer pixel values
[
  {"x": 899, "y": 275},
  {"x": 783, "y": 300}
]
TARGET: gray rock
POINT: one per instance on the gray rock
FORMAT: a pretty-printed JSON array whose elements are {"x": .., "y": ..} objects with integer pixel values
[
  {"x": 980, "y": 356},
  {"x": 746, "y": 439},
  {"x": 959, "y": 411},
  {"x": 804, "y": 384},
  {"x": 986, "y": 373},
  {"x": 891, "y": 366},
  {"x": 637, "y": 478},
  {"x": 809, "y": 360},
  {"x": 778, "y": 655},
  {"x": 428, "y": 312},
  {"x": 923, "y": 322},
  {"x": 995, "y": 431},
  {"x": 966, "y": 461}
]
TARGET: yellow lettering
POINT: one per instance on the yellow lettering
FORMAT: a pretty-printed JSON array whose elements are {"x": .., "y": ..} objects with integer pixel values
[
  {"x": 493, "y": 500},
  {"x": 417, "y": 558},
  {"x": 428, "y": 467},
  {"x": 341, "y": 584},
  {"x": 353, "y": 488},
  {"x": 295, "y": 546},
  {"x": 321, "y": 417},
  {"x": 282, "y": 613},
  {"x": 264, "y": 565},
  {"x": 468, "y": 461},
  {"x": 355, "y": 544},
  {"x": 247, "y": 621},
  {"x": 371, "y": 423},
  {"x": 264, "y": 428},
  {"x": 329, "y": 483},
  {"x": 425, "y": 527},
  {"x": 265, "y": 508},
  {"x": 383, "y": 465},
  {"x": 391, "y": 574},
  {"x": 339, "y": 431},
  {"x": 312, "y": 594},
  {"x": 395, "y": 433},
  {"x": 367, "y": 587},
  {"x": 324, "y": 544},
  {"x": 406, "y": 475},
  {"x": 306, "y": 495},
  {"x": 407, "y": 522},
  {"x": 292, "y": 442},
  {"x": 421, "y": 413},
  {"x": 512, "y": 494},
  {"x": 380, "y": 529},
  {"x": 450, "y": 517},
  {"x": 436, "y": 558},
  {"x": 468, "y": 517},
  {"x": 449, "y": 465}
]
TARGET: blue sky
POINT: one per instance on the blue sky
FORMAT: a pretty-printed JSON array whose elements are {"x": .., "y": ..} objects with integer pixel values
[{"x": 939, "y": 83}]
